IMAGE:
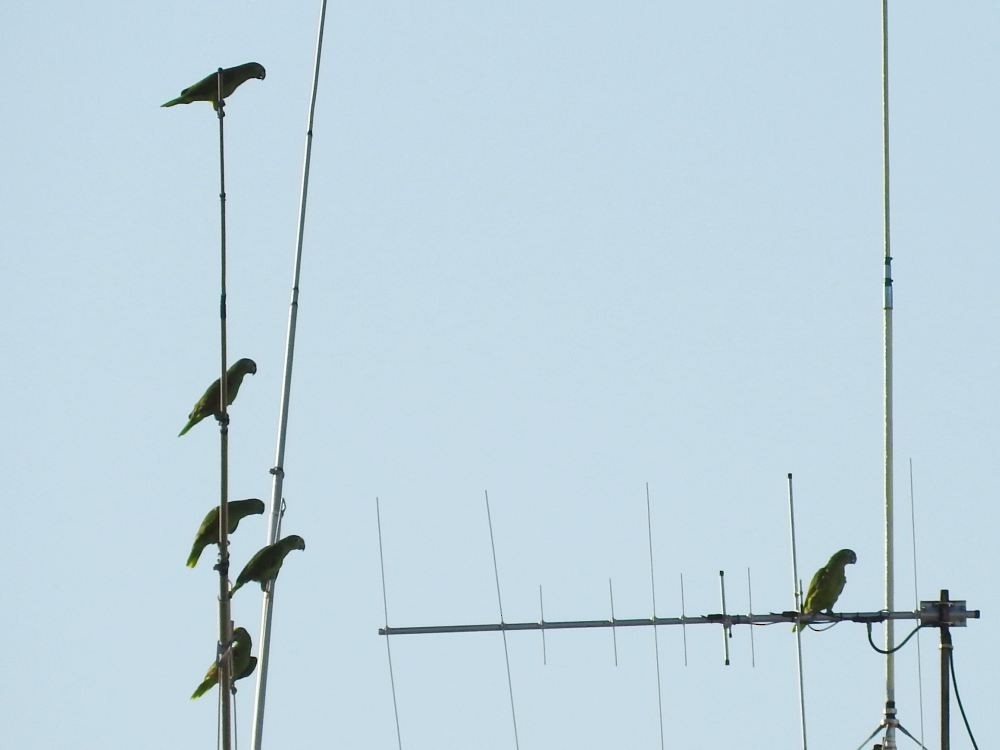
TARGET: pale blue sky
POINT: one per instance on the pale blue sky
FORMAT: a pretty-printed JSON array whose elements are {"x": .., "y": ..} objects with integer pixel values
[{"x": 554, "y": 250}]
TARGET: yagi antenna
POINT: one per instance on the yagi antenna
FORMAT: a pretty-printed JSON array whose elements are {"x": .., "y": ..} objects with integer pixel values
[{"x": 944, "y": 614}]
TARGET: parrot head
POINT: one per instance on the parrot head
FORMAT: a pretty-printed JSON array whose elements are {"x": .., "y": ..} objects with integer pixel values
[
  {"x": 258, "y": 71},
  {"x": 846, "y": 557},
  {"x": 295, "y": 542},
  {"x": 246, "y": 365}
]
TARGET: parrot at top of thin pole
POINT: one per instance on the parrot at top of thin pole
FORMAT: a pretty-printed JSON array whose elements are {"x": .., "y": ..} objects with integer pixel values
[
  {"x": 208, "y": 404},
  {"x": 265, "y": 565},
  {"x": 207, "y": 89},
  {"x": 827, "y": 584},
  {"x": 208, "y": 532},
  {"x": 243, "y": 663}
]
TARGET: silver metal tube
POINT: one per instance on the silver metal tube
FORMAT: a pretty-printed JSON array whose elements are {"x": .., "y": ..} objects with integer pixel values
[
  {"x": 278, "y": 470},
  {"x": 637, "y": 622},
  {"x": 225, "y": 620},
  {"x": 889, "y": 742}
]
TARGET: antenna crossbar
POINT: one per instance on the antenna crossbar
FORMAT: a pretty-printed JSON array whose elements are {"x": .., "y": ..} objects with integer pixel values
[{"x": 925, "y": 615}]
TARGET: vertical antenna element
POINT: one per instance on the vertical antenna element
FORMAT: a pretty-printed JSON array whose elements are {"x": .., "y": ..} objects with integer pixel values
[
  {"x": 614, "y": 634},
  {"x": 278, "y": 470},
  {"x": 656, "y": 641},
  {"x": 889, "y": 741},
  {"x": 225, "y": 620},
  {"x": 684, "y": 629},
  {"x": 753, "y": 654},
  {"x": 541, "y": 614},
  {"x": 385, "y": 610},
  {"x": 726, "y": 631},
  {"x": 503, "y": 632},
  {"x": 797, "y": 588}
]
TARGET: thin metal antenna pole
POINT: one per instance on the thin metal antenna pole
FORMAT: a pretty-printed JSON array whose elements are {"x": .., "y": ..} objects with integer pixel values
[
  {"x": 656, "y": 640},
  {"x": 916, "y": 604},
  {"x": 506, "y": 653},
  {"x": 753, "y": 653},
  {"x": 541, "y": 621},
  {"x": 684, "y": 630},
  {"x": 278, "y": 471},
  {"x": 614, "y": 632},
  {"x": 889, "y": 741},
  {"x": 385, "y": 609},
  {"x": 726, "y": 632},
  {"x": 225, "y": 619},
  {"x": 797, "y": 588}
]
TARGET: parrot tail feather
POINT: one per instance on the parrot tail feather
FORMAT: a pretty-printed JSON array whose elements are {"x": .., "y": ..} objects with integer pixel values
[{"x": 202, "y": 689}]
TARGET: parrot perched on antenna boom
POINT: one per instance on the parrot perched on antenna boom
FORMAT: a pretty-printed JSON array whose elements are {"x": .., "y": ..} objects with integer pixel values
[
  {"x": 207, "y": 89},
  {"x": 208, "y": 404},
  {"x": 264, "y": 566},
  {"x": 208, "y": 532},
  {"x": 827, "y": 584},
  {"x": 243, "y": 663}
]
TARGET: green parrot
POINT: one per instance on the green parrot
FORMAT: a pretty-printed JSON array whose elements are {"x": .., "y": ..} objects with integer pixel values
[
  {"x": 208, "y": 404},
  {"x": 208, "y": 532},
  {"x": 264, "y": 566},
  {"x": 243, "y": 663},
  {"x": 827, "y": 584},
  {"x": 207, "y": 89}
]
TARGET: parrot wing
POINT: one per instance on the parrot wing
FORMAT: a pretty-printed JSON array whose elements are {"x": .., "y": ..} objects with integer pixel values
[
  {"x": 208, "y": 532},
  {"x": 266, "y": 564},
  {"x": 243, "y": 663},
  {"x": 207, "y": 89},
  {"x": 208, "y": 404},
  {"x": 827, "y": 585}
]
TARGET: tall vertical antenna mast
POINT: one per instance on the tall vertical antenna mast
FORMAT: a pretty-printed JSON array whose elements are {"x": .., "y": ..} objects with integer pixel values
[
  {"x": 890, "y": 677},
  {"x": 225, "y": 620},
  {"x": 278, "y": 470}
]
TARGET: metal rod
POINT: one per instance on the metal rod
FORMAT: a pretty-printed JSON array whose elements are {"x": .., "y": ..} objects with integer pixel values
[
  {"x": 889, "y": 741},
  {"x": 278, "y": 471},
  {"x": 506, "y": 652},
  {"x": 945, "y": 674},
  {"x": 729, "y": 620},
  {"x": 725, "y": 629},
  {"x": 753, "y": 653},
  {"x": 656, "y": 641},
  {"x": 541, "y": 614},
  {"x": 225, "y": 619},
  {"x": 385, "y": 610},
  {"x": 614, "y": 633},
  {"x": 797, "y": 591},
  {"x": 684, "y": 632}
]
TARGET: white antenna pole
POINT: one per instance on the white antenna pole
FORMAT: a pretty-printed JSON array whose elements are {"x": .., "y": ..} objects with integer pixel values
[
  {"x": 278, "y": 470},
  {"x": 889, "y": 741},
  {"x": 796, "y": 588}
]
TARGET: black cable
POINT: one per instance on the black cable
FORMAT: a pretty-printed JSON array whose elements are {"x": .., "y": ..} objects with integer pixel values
[
  {"x": 958, "y": 698},
  {"x": 893, "y": 650}
]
